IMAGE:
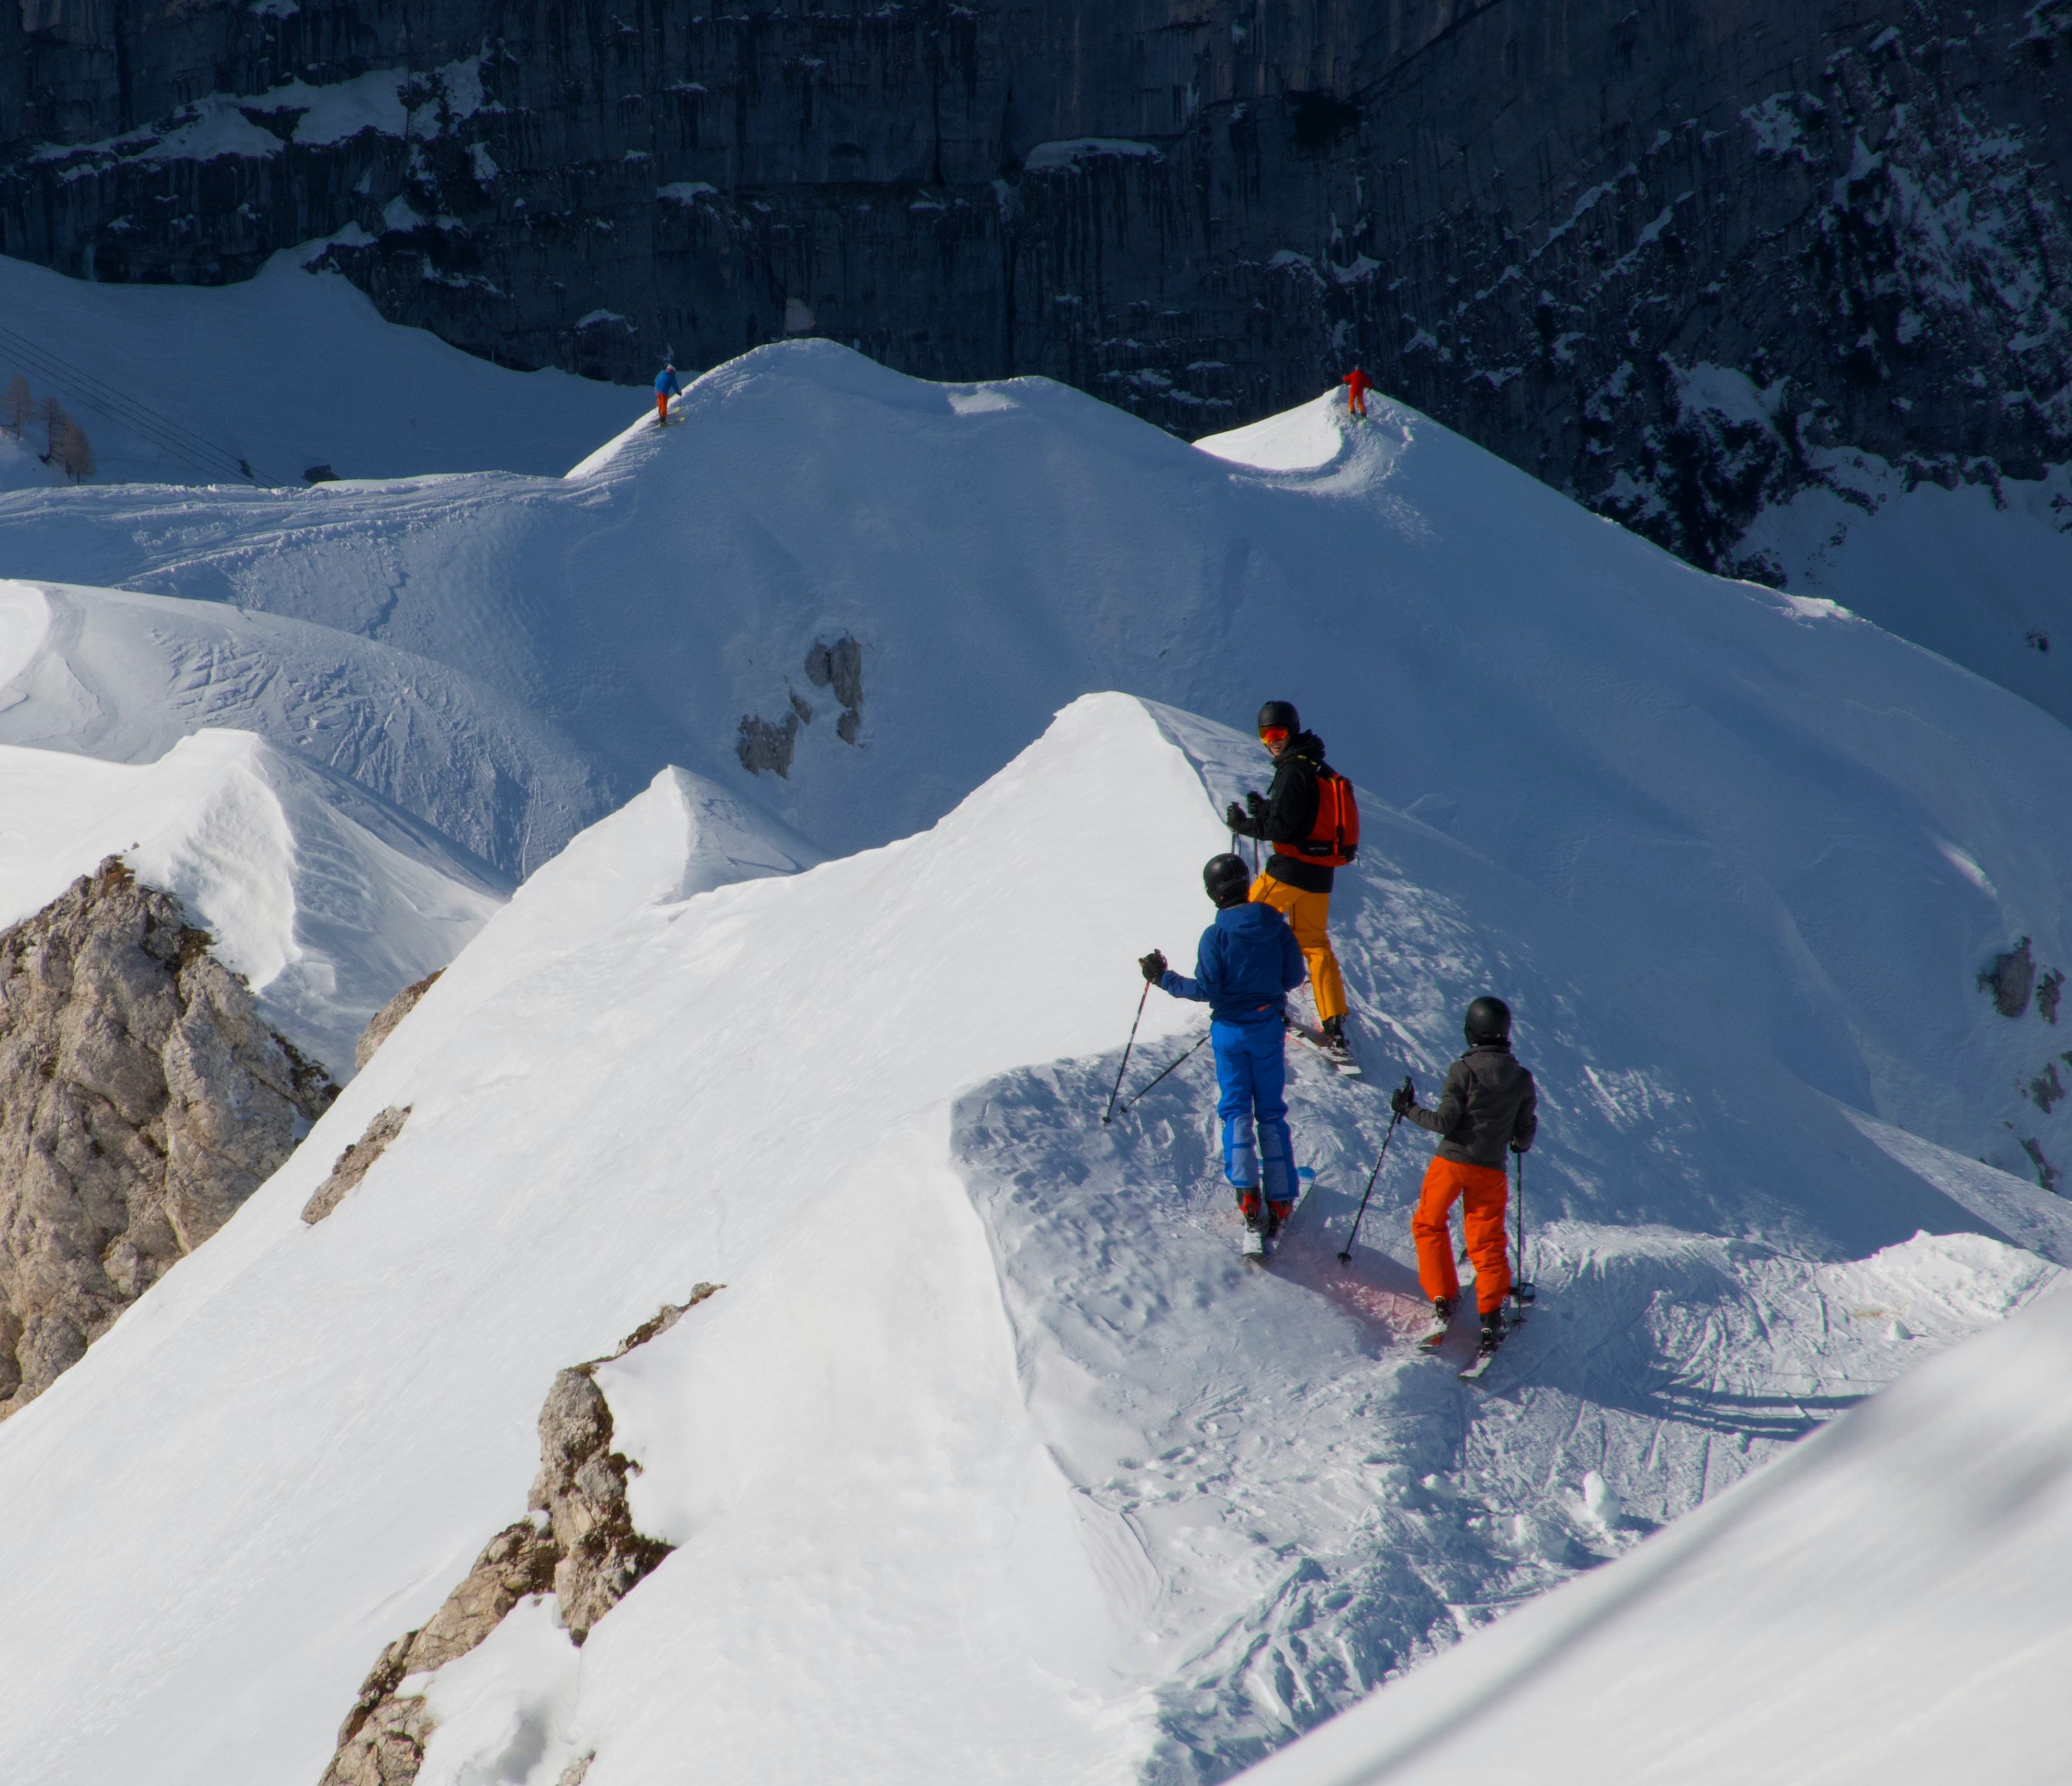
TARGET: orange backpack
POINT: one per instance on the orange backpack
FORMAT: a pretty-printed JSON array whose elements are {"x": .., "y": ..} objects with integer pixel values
[{"x": 1333, "y": 839}]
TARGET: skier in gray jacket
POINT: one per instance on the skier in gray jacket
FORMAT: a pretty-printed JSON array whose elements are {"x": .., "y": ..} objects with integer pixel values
[{"x": 1488, "y": 1104}]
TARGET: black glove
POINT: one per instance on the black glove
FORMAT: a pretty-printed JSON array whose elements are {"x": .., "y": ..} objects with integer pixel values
[
  {"x": 1153, "y": 966},
  {"x": 1403, "y": 1100},
  {"x": 1235, "y": 818},
  {"x": 1254, "y": 802}
]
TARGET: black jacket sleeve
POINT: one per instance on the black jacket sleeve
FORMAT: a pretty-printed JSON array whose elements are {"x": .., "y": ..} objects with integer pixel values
[
  {"x": 1444, "y": 1117},
  {"x": 1527, "y": 1123},
  {"x": 1291, "y": 804}
]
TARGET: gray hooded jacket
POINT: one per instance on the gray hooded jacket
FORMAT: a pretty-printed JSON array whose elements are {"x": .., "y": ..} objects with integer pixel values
[{"x": 1489, "y": 1101}]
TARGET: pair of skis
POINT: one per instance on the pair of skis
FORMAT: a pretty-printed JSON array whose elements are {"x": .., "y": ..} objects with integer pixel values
[
  {"x": 1340, "y": 1057},
  {"x": 1475, "y": 1366}
]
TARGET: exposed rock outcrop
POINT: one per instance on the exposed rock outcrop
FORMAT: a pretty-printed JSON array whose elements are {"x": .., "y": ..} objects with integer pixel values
[
  {"x": 383, "y": 1023},
  {"x": 354, "y": 1163},
  {"x": 142, "y": 1100},
  {"x": 580, "y": 1545}
]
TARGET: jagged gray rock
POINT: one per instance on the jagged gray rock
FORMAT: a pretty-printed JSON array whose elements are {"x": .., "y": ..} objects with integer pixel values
[
  {"x": 383, "y": 1023},
  {"x": 581, "y": 1546},
  {"x": 142, "y": 1100},
  {"x": 355, "y": 1162}
]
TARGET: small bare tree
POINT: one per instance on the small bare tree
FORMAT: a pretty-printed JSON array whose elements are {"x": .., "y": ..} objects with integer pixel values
[
  {"x": 50, "y": 413},
  {"x": 16, "y": 405},
  {"x": 74, "y": 455}
]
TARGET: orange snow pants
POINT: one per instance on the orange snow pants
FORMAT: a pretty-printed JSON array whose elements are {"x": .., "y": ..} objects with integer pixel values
[
  {"x": 661, "y": 410},
  {"x": 1481, "y": 1192},
  {"x": 1308, "y": 917}
]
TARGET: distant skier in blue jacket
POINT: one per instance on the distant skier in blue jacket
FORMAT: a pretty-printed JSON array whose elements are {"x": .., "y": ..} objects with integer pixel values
[
  {"x": 1245, "y": 968},
  {"x": 665, "y": 388}
]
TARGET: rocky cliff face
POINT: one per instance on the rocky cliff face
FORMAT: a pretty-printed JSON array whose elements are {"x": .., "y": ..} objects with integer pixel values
[
  {"x": 141, "y": 1101},
  {"x": 1672, "y": 257},
  {"x": 580, "y": 1545}
]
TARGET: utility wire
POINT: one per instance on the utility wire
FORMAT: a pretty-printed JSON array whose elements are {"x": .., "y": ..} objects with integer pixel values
[{"x": 161, "y": 430}]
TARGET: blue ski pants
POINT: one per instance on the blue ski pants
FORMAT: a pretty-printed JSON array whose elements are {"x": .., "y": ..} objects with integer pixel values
[{"x": 1251, "y": 1076}]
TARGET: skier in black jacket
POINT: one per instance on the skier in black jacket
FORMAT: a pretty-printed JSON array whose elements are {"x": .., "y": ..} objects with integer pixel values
[
  {"x": 1296, "y": 879},
  {"x": 1488, "y": 1104}
]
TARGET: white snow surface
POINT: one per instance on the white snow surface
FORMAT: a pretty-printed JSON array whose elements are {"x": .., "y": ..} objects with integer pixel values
[
  {"x": 287, "y": 370},
  {"x": 1885, "y": 1603},
  {"x": 326, "y": 899},
  {"x": 992, "y": 1460},
  {"x": 1981, "y": 573}
]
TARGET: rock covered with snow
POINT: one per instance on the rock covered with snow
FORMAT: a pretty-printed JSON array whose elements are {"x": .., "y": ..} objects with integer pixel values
[
  {"x": 384, "y": 1021},
  {"x": 142, "y": 1100},
  {"x": 579, "y": 1546},
  {"x": 356, "y": 1162}
]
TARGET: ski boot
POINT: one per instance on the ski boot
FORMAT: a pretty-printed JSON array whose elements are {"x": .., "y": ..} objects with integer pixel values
[
  {"x": 1442, "y": 1318},
  {"x": 1277, "y": 1212},
  {"x": 1254, "y": 1212},
  {"x": 1335, "y": 1044},
  {"x": 1494, "y": 1330}
]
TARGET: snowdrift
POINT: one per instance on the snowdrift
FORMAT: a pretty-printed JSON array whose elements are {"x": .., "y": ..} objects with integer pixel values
[
  {"x": 1809, "y": 835},
  {"x": 124, "y": 678},
  {"x": 327, "y": 900},
  {"x": 290, "y": 370},
  {"x": 1885, "y": 1604},
  {"x": 991, "y": 1460}
]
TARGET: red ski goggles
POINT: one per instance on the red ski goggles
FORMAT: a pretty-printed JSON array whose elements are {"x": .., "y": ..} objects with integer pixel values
[{"x": 1273, "y": 734}]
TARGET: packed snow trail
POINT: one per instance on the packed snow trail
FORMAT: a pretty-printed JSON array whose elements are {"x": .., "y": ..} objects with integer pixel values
[
  {"x": 1886, "y": 1603},
  {"x": 1811, "y": 834},
  {"x": 992, "y": 1460}
]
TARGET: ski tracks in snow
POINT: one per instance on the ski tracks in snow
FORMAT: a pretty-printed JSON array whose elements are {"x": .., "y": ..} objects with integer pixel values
[{"x": 1322, "y": 1503}]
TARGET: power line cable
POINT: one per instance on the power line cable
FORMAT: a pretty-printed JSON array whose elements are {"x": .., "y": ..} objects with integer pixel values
[{"x": 161, "y": 430}]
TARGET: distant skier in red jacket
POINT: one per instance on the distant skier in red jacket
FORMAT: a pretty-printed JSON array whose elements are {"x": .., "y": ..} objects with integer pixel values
[{"x": 1357, "y": 384}]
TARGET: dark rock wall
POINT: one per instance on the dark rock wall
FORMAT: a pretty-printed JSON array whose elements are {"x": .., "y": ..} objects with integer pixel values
[{"x": 1544, "y": 221}]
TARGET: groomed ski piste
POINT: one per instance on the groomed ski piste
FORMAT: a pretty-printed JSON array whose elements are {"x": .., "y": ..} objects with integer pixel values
[{"x": 993, "y": 1459}]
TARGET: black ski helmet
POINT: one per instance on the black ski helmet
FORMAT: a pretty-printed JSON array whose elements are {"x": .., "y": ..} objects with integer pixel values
[
  {"x": 1488, "y": 1021},
  {"x": 1281, "y": 713},
  {"x": 1227, "y": 880}
]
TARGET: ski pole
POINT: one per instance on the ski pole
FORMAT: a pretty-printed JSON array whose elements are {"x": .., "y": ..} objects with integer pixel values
[
  {"x": 1346, "y": 1253},
  {"x": 1522, "y": 1292},
  {"x": 1126, "y": 1047},
  {"x": 1135, "y": 1096}
]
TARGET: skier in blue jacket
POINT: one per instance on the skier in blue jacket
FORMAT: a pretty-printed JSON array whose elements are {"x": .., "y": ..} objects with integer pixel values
[
  {"x": 1247, "y": 964},
  {"x": 665, "y": 388}
]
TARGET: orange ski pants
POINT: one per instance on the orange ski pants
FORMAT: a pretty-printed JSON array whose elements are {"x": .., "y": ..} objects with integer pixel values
[
  {"x": 1482, "y": 1191},
  {"x": 1308, "y": 917},
  {"x": 661, "y": 409}
]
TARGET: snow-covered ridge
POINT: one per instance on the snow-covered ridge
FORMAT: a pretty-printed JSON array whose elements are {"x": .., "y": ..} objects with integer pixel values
[
  {"x": 1646, "y": 738},
  {"x": 993, "y": 1460},
  {"x": 326, "y": 902}
]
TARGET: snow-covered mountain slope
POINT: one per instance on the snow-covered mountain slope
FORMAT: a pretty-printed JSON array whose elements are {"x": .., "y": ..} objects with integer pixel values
[
  {"x": 1885, "y": 1604},
  {"x": 1981, "y": 573},
  {"x": 285, "y": 372},
  {"x": 325, "y": 898},
  {"x": 1630, "y": 736},
  {"x": 123, "y": 678},
  {"x": 992, "y": 1460}
]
